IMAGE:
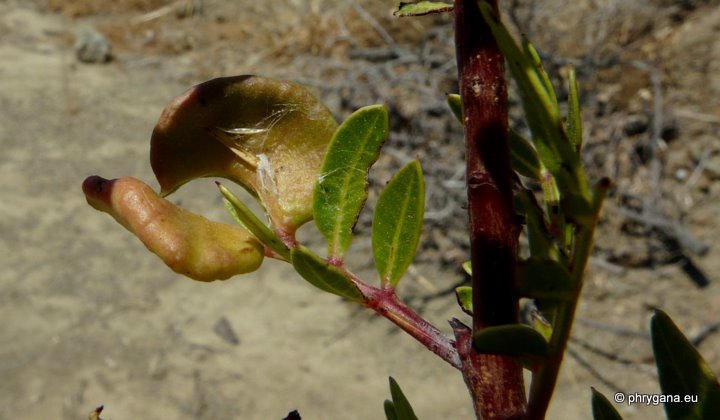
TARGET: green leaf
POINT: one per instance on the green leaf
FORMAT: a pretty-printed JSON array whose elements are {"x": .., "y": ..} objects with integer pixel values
[
  {"x": 602, "y": 409},
  {"x": 243, "y": 215},
  {"x": 541, "y": 325},
  {"x": 323, "y": 275},
  {"x": 514, "y": 339},
  {"x": 534, "y": 57},
  {"x": 403, "y": 409},
  {"x": 455, "y": 103},
  {"x": 390, "y": 412},
  {"x": 539, "y": 239},
  {"x": 682, "y": 371},
  {"x": 268, "y": 135},
  {"x": 422, "y": 8},
  {"x": 467, "y": 267},
  {"x": 341, "y": 189},
  {"x": 464, "y": 298},
  {"x": 544, "y": 280},
  {"x": 576, "y": 208},
  {"x": 574, "y": 119},
  {"x": 398, "y": 222},
  {"x": 523, "y": 156}
]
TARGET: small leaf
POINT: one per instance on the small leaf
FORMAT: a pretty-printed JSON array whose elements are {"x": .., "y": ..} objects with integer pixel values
[
  {"x": 390, "y": 412},
  {"x": 574, "y": 119},
  {"x": 242, "y": 214},
  {"x": 341, "y": 189},
  {"x": 467, "y": 267},
  {"x": 539, "y": 239},
  {"x": 534, "y": 57},
  {"x": 268, "y": 135},
  {"x": 544, "y": 280},
  {"x": 513, "y": 339},
  {"x": 188, "y": 243},
  {"x": 455, "y": 102},
  {"x": 602, "y": 409},
  {"x": 323, "y": 275},
  {"x": 541, "y": 325},
  {"x": 398, "y": 222},
  {"x": 464, "y": 298},
  {"x": 403, "y": 409},
  {"x": 682, "y": 371},
  {"x": 523, "y": 156},
  {"x": 576, "y": 208},
  {"x": 422, "y": 8}
]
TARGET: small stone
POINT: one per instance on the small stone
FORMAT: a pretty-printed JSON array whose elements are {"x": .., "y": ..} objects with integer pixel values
[
  {"x": 91, "y": 46},
  {"x": 681, "y": 174},
  {"x": 225, "y": 331}
]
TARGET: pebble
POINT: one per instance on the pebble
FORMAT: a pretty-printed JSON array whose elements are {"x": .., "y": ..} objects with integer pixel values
[
  {"x": 224, "y": 330},
  {"x": 91, "y": 46}
]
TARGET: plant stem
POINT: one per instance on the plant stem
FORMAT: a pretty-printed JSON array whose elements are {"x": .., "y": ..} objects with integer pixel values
[
  {"x": 385, "y": 302},
  {"x": 486, "y": 372},
  {"x": 493, "y": 231},
  {"x": 544, "y": 380}
]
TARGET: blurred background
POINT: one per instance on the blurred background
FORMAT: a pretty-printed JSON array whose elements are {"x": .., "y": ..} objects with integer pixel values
[{"x": 91, "y": 318}]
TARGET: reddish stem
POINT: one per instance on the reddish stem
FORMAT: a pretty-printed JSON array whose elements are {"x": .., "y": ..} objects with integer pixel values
[
  {"x": 493, "y": 232},
  {"x": 500, "y": 398},
  {"x": 385, "y": 302}
]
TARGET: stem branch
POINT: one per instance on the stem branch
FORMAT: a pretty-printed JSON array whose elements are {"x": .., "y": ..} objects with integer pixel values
[
  {"x": 543, "y": 383},
  {"x": 385, "y": 302}
]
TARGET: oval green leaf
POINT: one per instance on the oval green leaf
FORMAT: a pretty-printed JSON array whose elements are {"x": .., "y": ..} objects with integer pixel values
[
  {"x": 541, "y": 325},
  {"x": 467, "y": 267},
  {"x": 464, "y": 298},
  {"x": 390, "y": 412},
  {"x": 523, "y": 156},
  {"x": 577, "y": 208},
  {"x": 341, "y": 188},
  {"x": 403, "y": 409},
  {"x": 268, "y": 135},
  {"x": 546, "y": 281},
  {"x": 539, "y": 238},
  {"x": 682, "y": 371},
  {"x": 515, "y": 339},
  {"x": 398, "y": 222},
  {"x": 455, "y": 103},
  {"x": 323, "y": 275},
  {"x": 601, "y": 407}
]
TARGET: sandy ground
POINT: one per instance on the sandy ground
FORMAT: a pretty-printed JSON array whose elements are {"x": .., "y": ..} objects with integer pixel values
[{"x": 91, "y": 318}]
